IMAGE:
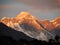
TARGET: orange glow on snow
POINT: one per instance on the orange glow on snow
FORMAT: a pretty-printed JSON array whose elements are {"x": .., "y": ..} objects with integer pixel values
[{"x": 25, "y": 17}]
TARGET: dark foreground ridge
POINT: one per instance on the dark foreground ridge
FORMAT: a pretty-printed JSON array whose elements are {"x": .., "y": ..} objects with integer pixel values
[
  {"x": 7, "y": 31},
  {"x": 9, "y": 36}
]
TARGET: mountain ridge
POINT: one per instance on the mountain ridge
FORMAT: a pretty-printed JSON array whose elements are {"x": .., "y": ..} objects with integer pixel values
[
  {"x": 25, "y": 17},
  {"x": 32, "y": 26}
]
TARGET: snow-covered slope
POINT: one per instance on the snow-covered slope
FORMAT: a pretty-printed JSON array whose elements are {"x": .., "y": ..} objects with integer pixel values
[{"x": 32, "y": 26}]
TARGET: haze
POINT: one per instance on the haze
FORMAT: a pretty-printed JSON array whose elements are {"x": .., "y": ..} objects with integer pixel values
[{"x": 43, "y": 9}]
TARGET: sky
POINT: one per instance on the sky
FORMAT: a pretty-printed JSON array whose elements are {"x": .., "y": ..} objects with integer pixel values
[{"x": 42, "y": 9}]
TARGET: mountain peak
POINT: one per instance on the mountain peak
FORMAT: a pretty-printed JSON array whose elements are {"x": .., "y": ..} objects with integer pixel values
[
  {"x": 27, "y": 18},
  {"x": 4, "y": 20},
  {"x": 23, "y": 15},
  {"x": 48, "y": 25},
  {"x": 56, "y": 22}
]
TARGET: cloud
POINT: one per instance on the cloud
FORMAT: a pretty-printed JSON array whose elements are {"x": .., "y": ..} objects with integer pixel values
[{"x": 43, "y": 3}]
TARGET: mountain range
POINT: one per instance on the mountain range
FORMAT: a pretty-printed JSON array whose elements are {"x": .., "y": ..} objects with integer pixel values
[{"x": 31, "y": 27}]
